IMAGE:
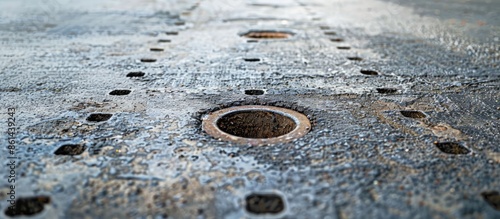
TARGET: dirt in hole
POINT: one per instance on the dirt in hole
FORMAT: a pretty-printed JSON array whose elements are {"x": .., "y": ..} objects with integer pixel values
[
  {"x": 355, "y": 58},
  {"x": 148, "y": 60},
  {"x": 337, "y": 40},
  {"x": 267, "y": 35},
  {"x": 28, "y": 206},
  {"x": 493, "y": 198},
  {"x": 413, "y": 114},
  {"x": 369, "y": 72},
  {"x": 387, "y": 90},
  {"x": 264, "y": 204},
  {"x": 135, "y": 74},
  {"x": 254, "y": 92},
  {"x": 119, "y": 92},
  {"x": 70, "y": 149},
  {"x": 99, "y": 117},
  {"x": 451, "y": 148},
  {"x": 251, "y": 59},
  {"x": 256, "y": 124}
]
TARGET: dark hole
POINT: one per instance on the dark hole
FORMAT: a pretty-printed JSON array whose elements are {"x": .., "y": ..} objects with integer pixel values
[
  {"x": 254, "y": 92},
  {"x": 264, "y": 204},
  {"x": 172, "y": 33},
  {"x": 99, "y": 117},
  {"x": 120, "y": 92},
  {"x": 493, "y": 198},
  {"x": 387, "y": 90},
  {"x": 135, "y": 74},
  {"x": 267, "y": 34},
  {"x": 330, "y": 33},
  {"x": 28, "y": 206},
  {"x": 343, "y": 47},
  {"x": 355, "y": 58},
  {"x": 368, "y": 72},
  {"x": 164, "y": 41},
  {"x": 451, "y": 148},
  {"x": 324, "y": 27},
  {"x": 156, "y": 50},
  {"x": 180, "y": 23},
  {"x": 251, "y": 59},
  {"x": 337, "y": 40},
  {"x": 70, "y": 149},
  {"x": 252, "y": 41},
  {"x": 412, "y": 114},
  {"x": 148, "y": 60},
  {"x": 256, "y": 124}
]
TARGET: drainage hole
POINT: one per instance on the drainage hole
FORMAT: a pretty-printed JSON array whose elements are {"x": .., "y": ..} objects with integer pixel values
[
  {"x": 256, "y": 124},
  {"x": 337, "y": 40},
  {"x": 148, "y": 60},
  {"x": 368, "y": 72},
  {"x": 330, "y": 33},
  {"x": 254, "y": 92},
  {"x": 99, "y": 117},
  {"x": 164, "y": 41},
  {"x": 387, "y": 90},
  {"x": 413, "y": 114},
  {"x": 343, "y": 47},
  {"x": 251, "y": 59},
  {"x": 264, "y": 204},
  {"x": 28, "y": 206},
  {"x": 493, "y": 198},
  {"x": 451, "y": 148},
  {"x": 355, "y": 58},
  {"x": 252, "y": 41},
  {"x": 70, "y": 149},
  {"x": 172, "y": 33},
  {"x": 120, "y": 92},
  {"x": 136, "y": 74},
  {"x": 267, "y": 34},
  {"x": 156, "y": 50}
]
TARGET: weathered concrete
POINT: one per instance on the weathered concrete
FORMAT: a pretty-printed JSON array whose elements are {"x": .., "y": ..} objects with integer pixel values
[{"x": 351, "y": 66}]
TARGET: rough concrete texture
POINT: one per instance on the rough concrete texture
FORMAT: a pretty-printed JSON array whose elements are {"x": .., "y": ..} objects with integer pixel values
[{"x": 438, "y": 61}]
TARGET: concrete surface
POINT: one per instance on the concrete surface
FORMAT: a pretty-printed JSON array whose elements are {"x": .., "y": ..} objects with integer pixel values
[{"x": 363, "y": 158}]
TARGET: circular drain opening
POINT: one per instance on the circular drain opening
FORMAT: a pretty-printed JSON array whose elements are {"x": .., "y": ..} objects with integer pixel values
[{"x": 256, "y": 125}]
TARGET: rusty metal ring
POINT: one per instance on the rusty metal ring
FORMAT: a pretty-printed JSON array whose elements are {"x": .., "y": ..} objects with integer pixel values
[{"x": 210, "y": 125}]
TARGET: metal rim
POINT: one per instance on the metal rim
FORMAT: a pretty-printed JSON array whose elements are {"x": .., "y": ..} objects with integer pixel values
[{"x": 303, "y": 125}]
